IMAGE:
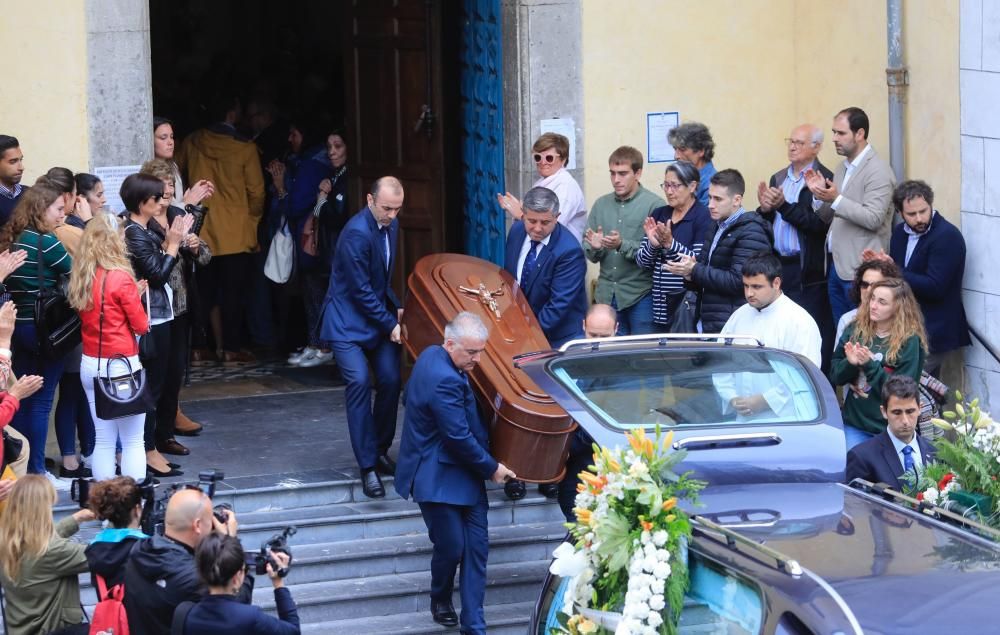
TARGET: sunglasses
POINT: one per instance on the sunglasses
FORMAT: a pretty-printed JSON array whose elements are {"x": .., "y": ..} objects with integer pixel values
[
  {"x": 549, "y": 158},
  {"x": 157, "y": 198}
]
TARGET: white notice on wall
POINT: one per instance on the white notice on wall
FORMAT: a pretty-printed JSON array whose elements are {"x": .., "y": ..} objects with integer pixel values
[
  {"x": 658, "y": 124},
  {"x": 112, "y": 178},
  {"x": 566, "y": 128}
]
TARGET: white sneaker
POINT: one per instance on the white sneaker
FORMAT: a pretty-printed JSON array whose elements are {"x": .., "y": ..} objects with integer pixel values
[
  {"x": 61, "y": 485},
  {"x": 301, "y": 355},
  {"x": 316, "y": 360}
]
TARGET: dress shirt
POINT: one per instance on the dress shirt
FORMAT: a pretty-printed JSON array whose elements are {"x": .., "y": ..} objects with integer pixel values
[
  {"x": 723, "y": 226},
  {"x": 572, "y": 205},
  {"x": 786, "y": 237},
  {"x": 705, "y": 174},
  {"x": 851, "y": 167},
  {"x": 524, "y": 253},
  {"x": 10, "y": 193},
  {"x": 918, "y": 461},
  {"x": 913, "y": 238},
  {"x": 620, "y": 277}
]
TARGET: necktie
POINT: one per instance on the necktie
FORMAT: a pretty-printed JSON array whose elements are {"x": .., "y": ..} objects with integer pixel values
[
  {"x": 385, "y": 241},
  {"x": 907, "y": 458},
  {"x": 529, "y": 262}
]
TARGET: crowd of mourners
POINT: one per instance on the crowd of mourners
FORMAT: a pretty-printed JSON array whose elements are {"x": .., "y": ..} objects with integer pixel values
[{"x": 819, "y": 267}]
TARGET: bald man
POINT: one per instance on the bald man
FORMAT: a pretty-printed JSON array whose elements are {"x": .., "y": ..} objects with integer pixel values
[
  {"x": 161, "y": 572},
  {"x": 799, "y": 232}
]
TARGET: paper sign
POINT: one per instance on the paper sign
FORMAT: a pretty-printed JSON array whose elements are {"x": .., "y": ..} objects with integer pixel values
[
  {"x": 566, "y": 128},
  {"x": 112, "y": 178},
  {"x": 658, "y": 124}
]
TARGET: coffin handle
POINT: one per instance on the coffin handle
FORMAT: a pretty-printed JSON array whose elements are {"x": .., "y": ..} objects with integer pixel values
[{"x": 719, "y": 441}]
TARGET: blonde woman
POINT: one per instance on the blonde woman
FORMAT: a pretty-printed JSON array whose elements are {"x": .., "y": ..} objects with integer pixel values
[
  {"x": 39, "y": 568},
  {"x": 102, "y": 273},
  {"x": 886, "y": 338}
]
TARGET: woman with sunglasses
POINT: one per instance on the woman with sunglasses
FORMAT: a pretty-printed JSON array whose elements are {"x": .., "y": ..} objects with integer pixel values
[
  {"x": 887, "y": 337},
  {"x": 551, "y": 153},
  {"x": 674, "y": 229},
  {"x": 153, "y": 258}
]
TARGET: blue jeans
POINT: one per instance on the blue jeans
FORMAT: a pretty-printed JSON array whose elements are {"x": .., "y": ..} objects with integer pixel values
[
  {"x": 840, "y": 294},
  {"x": 854, "y": 436},
  {"x": 32, "y": 418},
  {"x": 636, "y": 319},
  {"x": 73, "y": 418},
  {"x": 372, "y": 426}
]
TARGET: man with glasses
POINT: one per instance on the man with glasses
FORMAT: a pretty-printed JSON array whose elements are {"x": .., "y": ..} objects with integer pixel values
[
  {"x": 551, "y": 153},
  {"x": 799, "y": 232},
  {"x": 615, "y": 229}
]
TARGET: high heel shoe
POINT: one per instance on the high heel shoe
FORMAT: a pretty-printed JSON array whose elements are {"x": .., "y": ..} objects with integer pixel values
[{"x": 171, "y": 472}]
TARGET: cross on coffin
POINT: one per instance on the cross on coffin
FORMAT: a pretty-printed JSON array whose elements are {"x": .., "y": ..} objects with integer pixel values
[{"x": 487, "y": 297}]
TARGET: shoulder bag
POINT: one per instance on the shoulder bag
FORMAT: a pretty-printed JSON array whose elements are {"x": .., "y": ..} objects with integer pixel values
[
  {"x": 57, "y": 324},
  {"x": 122, "y": 396},
  {"x": 685, "y": 318},
  {"x": 281, "y": 255}
]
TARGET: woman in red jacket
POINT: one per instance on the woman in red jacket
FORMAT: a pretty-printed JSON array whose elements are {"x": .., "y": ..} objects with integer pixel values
[{"x": 102, "y": 273}]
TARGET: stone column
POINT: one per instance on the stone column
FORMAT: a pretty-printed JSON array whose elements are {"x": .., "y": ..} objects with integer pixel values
[
  {"x": 542, "y": 80},
  {"x": 119, "y": 82}
]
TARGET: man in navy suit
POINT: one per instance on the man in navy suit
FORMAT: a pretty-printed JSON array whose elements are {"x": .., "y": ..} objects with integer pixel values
[
  {"x": 443, "y": 460},
  {"x": 361, "y": 315},
  {"x": 549, "y": 265},
  {"x": 931, "y": 253},
  {"x": 897, "y": 449}
]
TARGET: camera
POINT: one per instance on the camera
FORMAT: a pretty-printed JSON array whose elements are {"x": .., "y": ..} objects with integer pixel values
[
  {"x": 277, "y": 543},
  {"x": 154, "y": 508}
]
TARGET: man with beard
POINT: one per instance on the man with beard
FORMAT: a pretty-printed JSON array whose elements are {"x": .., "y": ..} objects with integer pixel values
[{"x": 11, "y": 171}]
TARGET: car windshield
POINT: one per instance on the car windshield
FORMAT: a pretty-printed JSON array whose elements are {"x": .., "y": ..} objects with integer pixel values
[{"x": 690, "y": 386}]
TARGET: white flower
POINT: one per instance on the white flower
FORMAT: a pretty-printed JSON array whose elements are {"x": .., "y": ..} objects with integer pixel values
[
  {"x": 661, "y": 570},
  {"x": 649, "y": 563},
  {"x": 656, "y": 603},
  {"x": 931, "y": 495},
  {"x": 638, "y": 469},
  {"x": 645, "y": 538},
  {"x": 568, "y": 562},
  {"x": 654, "y": 620},
  {"x": 660, "y": 538}
]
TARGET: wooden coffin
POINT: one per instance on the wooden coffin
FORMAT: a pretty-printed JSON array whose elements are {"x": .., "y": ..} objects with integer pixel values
[{"x": 529, "y": 432}]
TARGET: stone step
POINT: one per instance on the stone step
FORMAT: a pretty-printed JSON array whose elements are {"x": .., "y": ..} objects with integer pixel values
[
  {"x": 501, "y": 619},
  {"x": 379, "y": 519},
  {"x": 404, "y": 593}
]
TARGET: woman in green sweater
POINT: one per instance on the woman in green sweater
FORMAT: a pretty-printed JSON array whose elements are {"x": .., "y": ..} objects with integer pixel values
[
  {"x": 886, "y": 337},
  {"x": 39, "y": 568}
]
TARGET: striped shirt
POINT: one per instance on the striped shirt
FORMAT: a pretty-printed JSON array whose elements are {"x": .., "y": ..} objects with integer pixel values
[
  {"x": 689, "y": 235},
  {"x": 23, "y": 282}
]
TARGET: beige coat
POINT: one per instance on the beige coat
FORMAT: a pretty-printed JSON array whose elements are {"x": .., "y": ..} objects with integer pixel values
[{"x": 863, "y": 219}]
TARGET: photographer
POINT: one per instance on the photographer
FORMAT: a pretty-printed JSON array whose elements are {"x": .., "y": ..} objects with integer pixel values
[
  {"x": 221, "y": 565},
  {"x": 161, "y": 572},
  {"x": 118, "y": 501}
]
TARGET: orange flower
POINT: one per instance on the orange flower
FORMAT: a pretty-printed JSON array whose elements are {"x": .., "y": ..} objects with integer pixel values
[
  {"x": 637, "y": 439},
  {"x": 580, "y": 488},
  {"x": 585, "y": 516},
  {"x": 648, "y": 526},
  {"x": 669, "y": 504},
  {"x": 668, "y": 439},
  {"x": 614, "y": 465},
  {"x": 648, "y": 448}
]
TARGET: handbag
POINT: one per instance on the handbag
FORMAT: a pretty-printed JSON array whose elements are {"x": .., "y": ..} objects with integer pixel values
[
  {"x": 57, "y": 324},
  {"x": 685, "y": 318},
  {"x": 122, "y": 396},
  {"x": 281, "y": 255}
]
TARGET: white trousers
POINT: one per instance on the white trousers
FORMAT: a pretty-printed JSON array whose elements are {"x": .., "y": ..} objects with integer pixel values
[{"x": 129, "y": 429}]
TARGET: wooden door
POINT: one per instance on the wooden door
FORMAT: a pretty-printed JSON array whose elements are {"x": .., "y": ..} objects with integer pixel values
[{"x": 392, "y": 62}]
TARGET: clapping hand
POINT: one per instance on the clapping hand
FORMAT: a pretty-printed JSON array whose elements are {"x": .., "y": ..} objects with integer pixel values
[
  {"x": 595, "y": 239},
  {"x": 8, "y": 315},
  {"x": 682, "y": 266},
  {"x": 612, "y": 240},
  {"x": 511, "y": 205},
  {"x": 857, "y": 354},
  {"x": 198, "y": 192},
  {"x": 820, "y": 186},
  {"x": 10, "y": 261},
  {"x": 179, "y": 229},
  {"x": 25, "y": 386},
  {"x": 659, "y": 234},
  {"x": 770, "y": 198}
]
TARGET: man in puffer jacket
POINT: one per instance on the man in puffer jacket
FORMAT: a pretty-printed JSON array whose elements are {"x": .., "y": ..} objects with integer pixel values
[{"x": 736, "y": 235}]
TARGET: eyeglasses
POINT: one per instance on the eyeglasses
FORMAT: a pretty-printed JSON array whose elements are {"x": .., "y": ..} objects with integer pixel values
[
  {"x": 669, "y": 187},
  {"x": 864, "y": 285},
  {"x": 795, "y": 143},
  {"x": 549, "y": 158}
]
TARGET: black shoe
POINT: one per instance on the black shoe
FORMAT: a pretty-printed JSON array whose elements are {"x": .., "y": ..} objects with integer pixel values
[
  {"x": 82, "y": 471},
  {"x": 171, "y": 472},
  {"x": 371, "y": 484},
  {"x": 385, "y": 465},
  {"x": 175, "y": 466},
  {"x": 515, "y": 490},
  {"x": 444, "y": 613},
  {"x": 549, "y": 490}
]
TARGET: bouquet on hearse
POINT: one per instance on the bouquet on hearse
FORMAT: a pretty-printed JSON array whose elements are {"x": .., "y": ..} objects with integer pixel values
[
  {"x": 966, "y": 473},
  {"x": 627, "y": 569}
]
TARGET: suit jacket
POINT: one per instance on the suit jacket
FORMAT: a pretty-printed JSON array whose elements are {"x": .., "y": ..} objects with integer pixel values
[
  {"x": 876, "y": 460},
  {"x": 360, "y": 305},
  {"x": 444, "y": 450},
  {"x": 935, "y": 273},
  {"x": 555, "y": 288},
  {"x": 810, "y": 226},
  {"x": 863, "y": 219}
]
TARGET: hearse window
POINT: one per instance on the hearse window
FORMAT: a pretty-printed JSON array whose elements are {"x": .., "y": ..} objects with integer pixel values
[{"x": 676, "y": 387}]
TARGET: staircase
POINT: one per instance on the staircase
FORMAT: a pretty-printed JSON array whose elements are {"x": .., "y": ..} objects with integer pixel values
[{"x": 362, "y": 566}]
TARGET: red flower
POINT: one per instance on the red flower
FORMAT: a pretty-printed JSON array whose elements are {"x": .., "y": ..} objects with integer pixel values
[
  {"x": 947, "y": 478},
  {"x": 920, "y": 496}
]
